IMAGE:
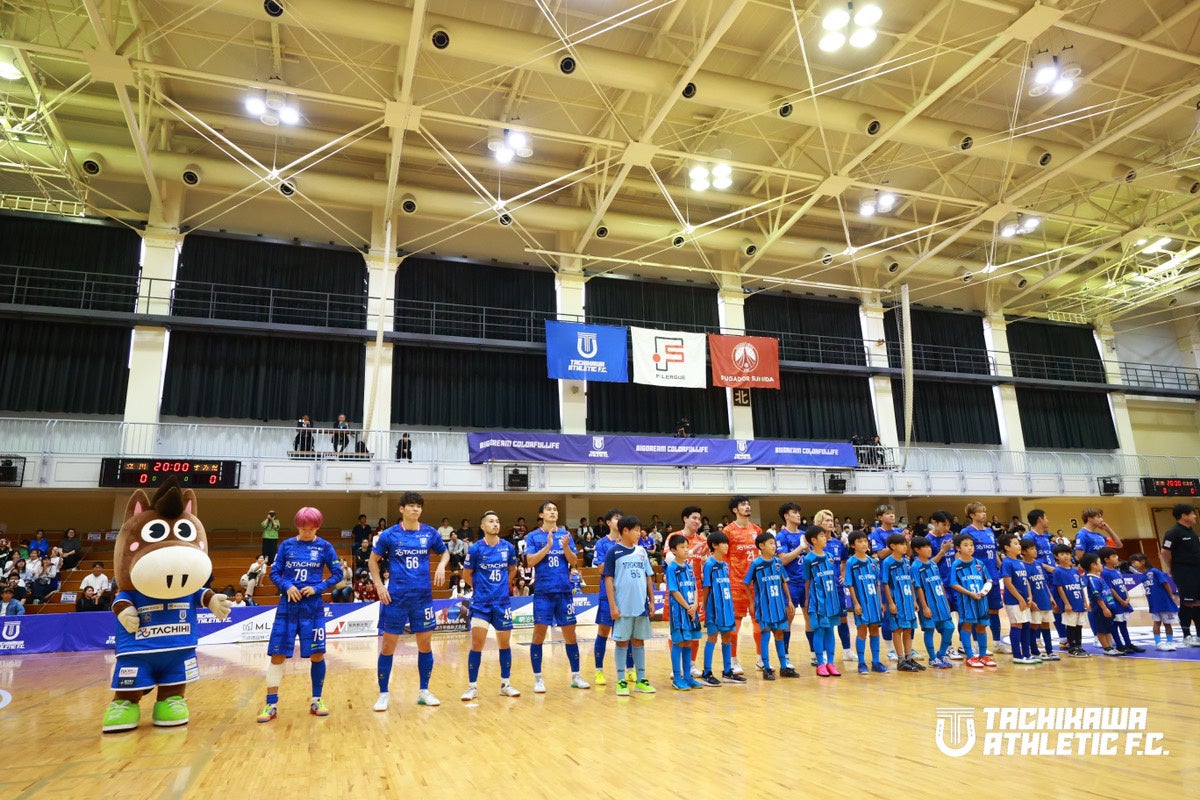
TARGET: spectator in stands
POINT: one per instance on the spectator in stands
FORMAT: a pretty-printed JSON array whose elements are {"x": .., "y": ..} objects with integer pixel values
[
  {"x": 458, "y": 550},
  {"x": 518, "y": 531},
  {"x": 255, "y": 574},
  {"x": 270, "y": 536},
  {"x": 341, "y": 435},
  {"x": 1059, "y": 538},
  {"x": 86, "y": 600},
  {"x": 380, "y": 527},
  {"x": 465, "y": 533},
  {"x": 364, "y": 589},
  {"x": 362, "y": 533},
  {"x": 362, "y": 558},
  {"x": 404, "y": 449},
  {"x": 18, "y": 588},
  {"x": 445, "y": 530},
  {"x": 303, "y": 441},
  {"x": 956, "y": 526},
  {"x": 71, "y": 549},
  {"x": 9, "y": 605},
  {"x": 40, "y": 544},
  {"x": 6, "y": 552},
  {"x": 239, "y": 600},
  {"x": 526, "y": 572},
  {"x": 228, "y": 590},
  {"x": 343, "y": 590},
  {"x": 56, "y": 560},
  {"x": 705, "y": 526},
  {"x": 520, "y": 587},
  {"x": 97, "y": 580}
]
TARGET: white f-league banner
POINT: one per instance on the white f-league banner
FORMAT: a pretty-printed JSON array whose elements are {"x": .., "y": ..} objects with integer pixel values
[{"x": 669, "y": 358}]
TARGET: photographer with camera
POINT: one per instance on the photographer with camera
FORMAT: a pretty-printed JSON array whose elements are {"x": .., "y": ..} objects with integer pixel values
[
  {"x": 341, "y": 435},
  {"x": 303, "y": 441},
  {"x": 270, "y": 536}
]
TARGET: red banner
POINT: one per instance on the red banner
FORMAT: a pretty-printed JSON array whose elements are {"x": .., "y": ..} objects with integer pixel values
[{"x": 750, "y": 362}]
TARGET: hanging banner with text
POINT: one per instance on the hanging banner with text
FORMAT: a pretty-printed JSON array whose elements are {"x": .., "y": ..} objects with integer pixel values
[
  {"x": 744, "y": 361},
  {"x": 586, "y": 352},
  {"x": 656, "y": 451},
  {"x": 668, "y": 358}
]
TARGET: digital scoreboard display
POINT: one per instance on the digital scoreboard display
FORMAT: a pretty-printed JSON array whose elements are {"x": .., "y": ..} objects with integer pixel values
[
  {"x": 1171, "y": 487},
  {"x": 152, "y": 472}
]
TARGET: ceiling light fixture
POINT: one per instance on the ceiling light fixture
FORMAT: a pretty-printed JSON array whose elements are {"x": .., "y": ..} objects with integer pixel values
[
  {"x": 507, "y": 144},
  {"x": 1054, "y": 73},
  {"x": 838, "y": 21},
  {"x": 272, "y": 106},
  {"x": 877, "y": 202},
  {"x": 716, "y": 175},
  {"x": 9, "y": 71},
  {"x": 1019, "y": 224}
]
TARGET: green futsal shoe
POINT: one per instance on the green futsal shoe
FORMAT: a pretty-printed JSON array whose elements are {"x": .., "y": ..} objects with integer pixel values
[
  {"x": 171, "y": 712},
  {"x": 121, "y": 715}
]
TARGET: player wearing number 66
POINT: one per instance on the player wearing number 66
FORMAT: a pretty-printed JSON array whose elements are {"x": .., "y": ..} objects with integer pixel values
[{"x": 408, "y": 597}]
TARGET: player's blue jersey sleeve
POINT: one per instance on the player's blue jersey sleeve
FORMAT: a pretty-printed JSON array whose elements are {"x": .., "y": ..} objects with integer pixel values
[
  {"x": 383, "y": 544},
  {"x": 1008, "y": 570},
  {"x": 750, "y": 572},
  {"x": 610, "y": 564},
  {"x": 672, "y": 581},
  {"x": 436, "y": 544}
]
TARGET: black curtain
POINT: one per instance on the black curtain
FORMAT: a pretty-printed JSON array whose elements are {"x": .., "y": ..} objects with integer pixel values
[
  {"x": 472, "y": 389},
  {"x": 652, "y": 305},
  {"x": 227, "y": 278},
  {"x": 63, "y": 368},
  {"x": 949, "y": 413},
  {"x": 56, "y": 262},
  {"x": 824, "y": 331},
  {"x": 1054, "y": 351},
  {"x": 451, "y": 298},
  {"x": 943, "y": 341},
  {"x": 1064, "y": 420},
  {"x": 244, "y": 376},
  {"x": 812, "y": 407}
]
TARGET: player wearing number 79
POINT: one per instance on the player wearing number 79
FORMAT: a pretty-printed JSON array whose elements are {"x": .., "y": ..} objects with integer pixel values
[
  {"x": 408, "y": 596},
  {"x": 299, "y": 572},
  {"x": 490, "y": 567}
]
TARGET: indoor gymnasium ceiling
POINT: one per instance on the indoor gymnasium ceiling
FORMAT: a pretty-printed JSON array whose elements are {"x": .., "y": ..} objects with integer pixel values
[{"x": 398, "y": 102}]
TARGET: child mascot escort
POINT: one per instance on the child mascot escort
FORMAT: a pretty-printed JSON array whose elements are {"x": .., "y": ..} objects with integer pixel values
[{"x": 161, "y": 565}]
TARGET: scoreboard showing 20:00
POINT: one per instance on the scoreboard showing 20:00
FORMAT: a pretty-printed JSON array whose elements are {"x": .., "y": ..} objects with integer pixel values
[{"x": 152, "y": 472}]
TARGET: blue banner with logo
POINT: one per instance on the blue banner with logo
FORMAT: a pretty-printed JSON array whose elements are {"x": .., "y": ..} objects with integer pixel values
[
  {"x": 586, "y": 352},
  {"x": 656, "y": 451}
]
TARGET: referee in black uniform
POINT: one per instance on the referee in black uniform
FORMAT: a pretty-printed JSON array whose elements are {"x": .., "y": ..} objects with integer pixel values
[{"x": 1181, "y": 560}]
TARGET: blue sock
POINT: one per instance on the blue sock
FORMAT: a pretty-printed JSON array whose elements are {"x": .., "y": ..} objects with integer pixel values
[
  {"x": 1170, "y": 636},
  {"x": 1047, "y": 641},
  {"x": 981, "y": 642},
  {"x": 384, "y": 672},
  {"x": 929, "y": 648},
  {"x": 573, "y": 656},
  {"x": 726, "y": 656},
  {"x": 830, "y": 646},
  {"x": 425, "y": 668},
  {"x": 844, "y": 634},
  {"x": 317, "y": 673},
  {"x": 639, "y": 661},
  {"x": 272, "y": 698},
  {"x": 1121, "y": 629},
  {"x": 964, "y": 636},
  {"x": 994, "y": 623},
  {"x": 676, "y": 662},
  {"x": 947, "y": 638},
  {"x": 781, "y": 651},
  {"x": 762, "y": 646},
  {"x": 809, "y": 635},
  {"x": 860, "y": 646},
  {"x": 535, "y": 658},
  {"x": 709, "y": 647},
  {"x": 473, "y": 659},
  {"x": 620, "y": 652},
  {"x": 1027, "y": 639},
  {"x": 598, "y": 649},
  {"x": 505, "y": 662},
  {"x": 886, "y": 629},
  {"x": 787, "y": 641},
  {"x": 874, "y": 649},
  {"x": 629, "y": 659},
  {"x": 1158, "y": 637},
  {"x": 687, "y": 663}
]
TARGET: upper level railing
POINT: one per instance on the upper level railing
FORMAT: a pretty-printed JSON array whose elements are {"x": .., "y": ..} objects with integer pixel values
[{"x": 89, "y": 291}]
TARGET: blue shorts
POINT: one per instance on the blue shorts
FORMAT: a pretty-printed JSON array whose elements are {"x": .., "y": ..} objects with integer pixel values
[
  {"x": 898, "y": 623},
  {"x": 146, "y": 670},
  {"x": 822, "y": 621},
  {"x": 685, "y": 630},
  {"x": 868, "y": 618},
  {"x": 292, "y": 620},
  {"x": 415, "y": 612},
  {"x": 1100, "y": 623},
  {"x": 972, "y": 611},
  {"x": 712, "y": 629},
  {"x": 498, "y": 615},
  {"x": 933, "y": 624},
  {"x": 774, "y": 625},
  {"x": 553, "y": 609},
  {"x": 603, "y": 612},
  {"x": 796, "y": 590},
  {"x": 994, "y": 601},
  {"x": 627, "y": 628}
]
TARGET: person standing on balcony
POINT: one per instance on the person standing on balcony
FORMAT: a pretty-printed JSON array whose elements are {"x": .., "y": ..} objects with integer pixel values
[
  {"x": 404, "y": 449},
  {"x": 341, "y": 436},
  {"x": 303, "y": 440},
  {"x": 270, "y": 536}
]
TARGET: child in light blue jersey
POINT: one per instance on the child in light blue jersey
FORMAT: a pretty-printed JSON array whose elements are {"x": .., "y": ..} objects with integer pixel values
[
  {"x": 716, "y": 597},
  {"x": 770, "y": 604},
  {"x": 932, "y": 606},
  {"x": 824, "y": 600},
  {"x": 862, "y": 579},
  {"x": 896, "y": 579},
  {"x": 629, "y": 582},
  {"x": 685, "y": 613}
]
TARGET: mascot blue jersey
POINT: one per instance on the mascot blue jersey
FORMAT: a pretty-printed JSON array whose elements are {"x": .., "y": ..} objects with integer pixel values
[{"x": 163, "y": 624}]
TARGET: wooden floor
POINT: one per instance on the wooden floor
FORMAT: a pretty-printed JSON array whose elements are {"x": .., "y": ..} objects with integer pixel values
[{"x": 840, "y": 738}]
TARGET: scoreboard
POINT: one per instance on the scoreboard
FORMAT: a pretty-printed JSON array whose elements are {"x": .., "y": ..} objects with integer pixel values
[
  {"x": 152, "y": 472},
  {"x": 1171, "y": 487}
]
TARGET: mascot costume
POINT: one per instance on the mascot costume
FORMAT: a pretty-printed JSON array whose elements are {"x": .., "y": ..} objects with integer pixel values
[{"x": 161, "y": 565}]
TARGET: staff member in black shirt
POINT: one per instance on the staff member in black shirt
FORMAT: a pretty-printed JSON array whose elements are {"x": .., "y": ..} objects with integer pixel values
[{"x": 1181, "y": 560}]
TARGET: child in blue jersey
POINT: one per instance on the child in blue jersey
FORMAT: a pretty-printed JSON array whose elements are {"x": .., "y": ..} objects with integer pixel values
[
  {"x": 1109, "y": 558},
  {"x": 716, "y": 597},
  {"x": 836, "y": 550},
  {"x": 770, "y": 604},
  {"x": 932, "y": 606},
  {"x": 988, "y": 556},
  {"x": 551, "y": 551},
  {"x": 299, "y": 572},
  {"x": 1069, "y": 586},
  {"x": 969, "y": 578},
  {"x": 489, "y": 569},
  {"x": 941, "y": 540},
  {"x": 685, "y": 613},
  {"x": 1163, "y": 598},
  {"x": 862, "y": 578},
  {"x": 629, "y": 581},
  {"x": 885, "y": 526},
  {"x": 603, "y": 614},
  {"x": 790, "y": 545},
  {"x": 1017, "y": 601},
  {"x": 1039, "y": 532},
  {"x": 1104, "y": 606},
  {"x": 895, "y": 578},
  {"x": 823, "y": 600},
  {"x": 407, "y": 599},
  {"x": 1043, "y": 608}
]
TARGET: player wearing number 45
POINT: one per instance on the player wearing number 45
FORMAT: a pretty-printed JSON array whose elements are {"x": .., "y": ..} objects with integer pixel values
[
  {"x": 299, "y": 572},
  {"x": 489, "y": 569},
  {"x": 408, "y": 597}
]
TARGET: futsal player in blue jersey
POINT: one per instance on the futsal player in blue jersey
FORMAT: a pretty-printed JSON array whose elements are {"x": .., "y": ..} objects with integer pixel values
[
  {"x": 1094, "y": 534},
  {"x": 299, "y": 572},
  {"x": 550, "y": 550},
  {"x": 885, "y": 526},
  {"x": 716, "y": 597},
  {"x": 969, "y": 578},
  {"x": 489, "y": 569},
  {"x": 823, "y": 600},
  {"x": 1069, "y": 586},
  {"x": 685, "y": 613},
  {"x": 895, "y": 578},
  {"x": 987, "y": 554},
  {"x": 1104, "y": 607},
  {"x": 1162, "y": 595},
  {"x": 933, "y": 609},
  {"x": 770, "y": 604},
  {"x": 603, "y": 613},
  {"x": 1017, "y": 600},
  {"x": 835, "y": 548},
  {"x": 790, "y": 545},
  {"x": 1043, "y": 607},
  {"x": 1039, "y": 532},
  {"x": 862, "y": 579},
  {"x": 629, "y": 581},
  {"x": 1109, "y": 558},
  {"x": 941, "y": 540},
  {"x": 407, "y": 599}
]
